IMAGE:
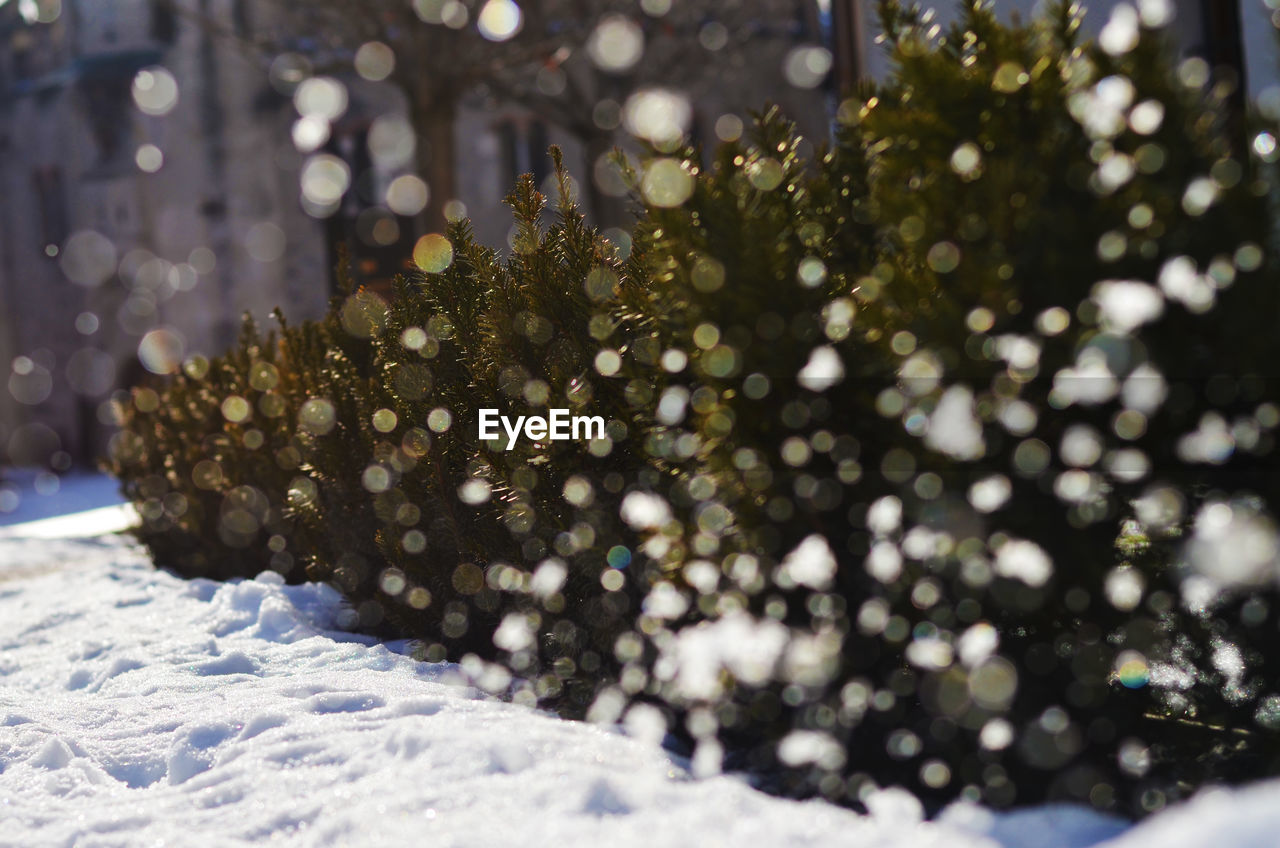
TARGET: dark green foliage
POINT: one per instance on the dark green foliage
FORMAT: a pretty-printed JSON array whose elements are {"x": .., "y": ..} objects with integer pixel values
[
  {"x": 354, "y": 457},
  {"x": 942, "y": 460},
  {"x": 993, "y": 185},
  {"x": 516, "y": 336},
  {"x": 1076, "y": 185},
  {"x": 183, "y": 462},
  {"x": 982, "y": 198}
]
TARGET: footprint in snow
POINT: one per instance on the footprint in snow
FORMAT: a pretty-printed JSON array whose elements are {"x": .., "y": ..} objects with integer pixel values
[
  {"x": 603, "y": 800},
  {"x": 344, "y": 702},
  {"x": 260, "y": 724},
  {"x": 137, "y": 770},
  {"x": 194, "y": 750},
  {"x": 417, "y": 706},
  {"x": 117, "y": 667},
  {"x": 509, "y": 759},
  {"x": 235, "y": 662},
  {"x": 53, "y": 754}
]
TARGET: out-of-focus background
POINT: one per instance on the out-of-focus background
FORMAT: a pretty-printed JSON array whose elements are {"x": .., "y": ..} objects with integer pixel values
[{"x": 167, "y": 165}]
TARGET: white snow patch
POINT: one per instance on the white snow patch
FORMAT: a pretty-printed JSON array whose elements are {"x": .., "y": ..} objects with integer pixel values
[
  {"x": 1180, "y": 280},
  {"x": 665, "y": 601},
  {"x": 1088, "y": 382},
  {"x": 824, "y": 369},
  {"x": 645, "y": 510},
  {"x": 1234, "y": 545},
  {"x": 1050, "y": 826},
  {"x": 977, "y": 643},
  {"x": 895, "y": 805},
  {"x": 746, "y": 647},
  {"x": 812, "y": 563},
  {"x": 92, "y": 522},
  {"x": 990, "y": 493},
  {"x": 1120, "y": 35},
  {"x": 884, "y": 515},
  {"x": 1240, "y": 818},
  {"x": 1127, "y": 304},
  {"x": 1024, "y": 560},
  {"x": 140, "y": 709},
  {"x": 1229, "y": 662},
  {"x": 930, "y": 653},
  {"x": 28, "y": 495},
  {"x": 954, "y": 428}
]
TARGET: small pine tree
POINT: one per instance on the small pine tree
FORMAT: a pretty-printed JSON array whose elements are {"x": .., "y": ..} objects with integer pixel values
[
  {"x": 198, "y": 456},
  {"x": 1093, "y": 246},
  {"x": 530, "y": 528},
  {"x": 941, "y": 369},
  {"x": 945, "y": 459},
  {"x": 346, "y": 450}
]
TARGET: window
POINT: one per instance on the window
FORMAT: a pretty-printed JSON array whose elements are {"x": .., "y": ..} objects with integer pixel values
[
  {"x": 20, "y": 46},
  {"x": 524, "y": 149},
  {"x": 164, "y": 21},
  {"x": 240, "y": 18},
  {"x": 51, "y": 202},
  {"x": 377, "y": 243}
]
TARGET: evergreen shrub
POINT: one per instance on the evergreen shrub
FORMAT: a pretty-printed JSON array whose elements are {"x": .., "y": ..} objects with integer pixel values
[
  {"x": 347, "y": 450},
  {"x": 945, "y": 459},
  {"x": 1029, "y": 346}
]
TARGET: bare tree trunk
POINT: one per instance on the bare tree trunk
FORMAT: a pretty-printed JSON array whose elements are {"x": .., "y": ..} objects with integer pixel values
[
  {"x": 848, "y": 26},
  {"x": 1224, "y": 50},
  {"x": 604, "y": 210},
  {"x": 433, "y": 115},
  {"x": 11, "y": 414}
]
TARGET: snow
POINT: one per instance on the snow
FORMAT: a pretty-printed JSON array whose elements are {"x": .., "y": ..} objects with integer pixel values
[
  {"x": 1234, "y": 544},
  {"x": 1102, "y": 110},
  {"x": 746, "y": 647},
  {"x": 29, "y": 495},
  {"x": 1178, "y": 276},
  {"x": 977, "y": 643},
  {"x": 1025, "y": 561},
  {"x": 1088, "y": 382},
  {"x": 824, "y": 369},
  {"x": 884, "y": 515},
  {"x": 645, "y": 510},
  {"x": 812, "y": 563},
  {"x": 140, "y": 709},
  {"x": 1127, "y": 304},
  {"x": 1049, "y": 826},
  {"x": 954, "y": 428},
  {"x": 990, "y": 493},
  {"x": 1120, "y": 35}
]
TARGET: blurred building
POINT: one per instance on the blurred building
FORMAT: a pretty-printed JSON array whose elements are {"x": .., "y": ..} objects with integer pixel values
[
  {"x": 1235, "y": 33},
  {"x": 116, "y": 221},
  {"x": 150, "y": 184}
]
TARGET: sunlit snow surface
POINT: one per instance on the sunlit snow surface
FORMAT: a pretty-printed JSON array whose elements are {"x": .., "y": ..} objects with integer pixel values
[{"x": 140, "y": 709}]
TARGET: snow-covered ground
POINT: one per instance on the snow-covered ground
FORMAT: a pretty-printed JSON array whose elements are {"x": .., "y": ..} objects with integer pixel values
[
  {"x": 28, "y": 494},
  {"x": 140, "y": 709}
]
